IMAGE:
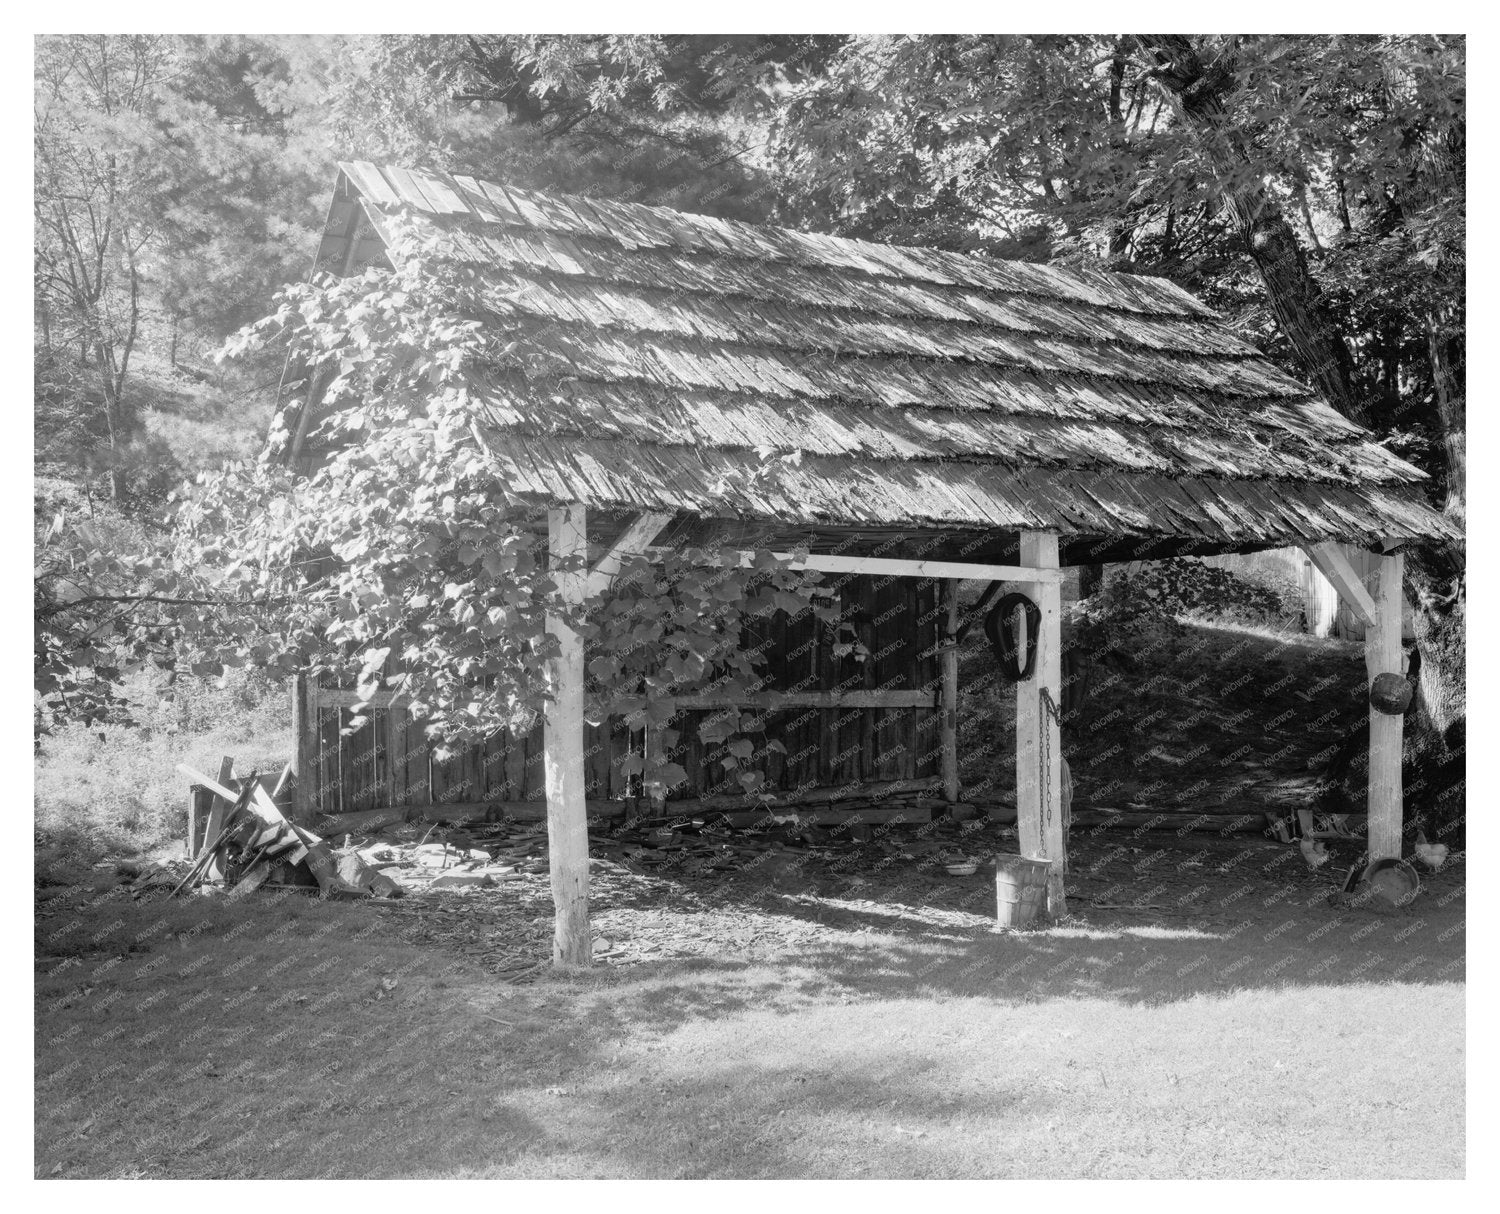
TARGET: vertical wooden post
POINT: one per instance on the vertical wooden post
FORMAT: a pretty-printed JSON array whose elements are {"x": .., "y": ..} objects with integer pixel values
[
  {"x": 1320, "y": 604},
  {"x": 1383, "y": 655},
  {"x": 656, "y": 792},
  {"x": 200, "y": 804},
  {"x": 948, "y": 666},
  {"x": 567, "y": 812},
  {"x": 216, "y": 811},
  {"x": 304, "y": 747},
  {"x": 1039, "y": 781}
]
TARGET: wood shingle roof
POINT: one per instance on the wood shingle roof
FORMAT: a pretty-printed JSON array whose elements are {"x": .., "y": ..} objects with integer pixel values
[{"x": 710, "y": 366}]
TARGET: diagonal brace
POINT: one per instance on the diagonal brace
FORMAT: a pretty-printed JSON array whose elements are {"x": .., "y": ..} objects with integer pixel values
[
  {"x": 1332, "y": 563},
  {"x": 633, "y": 541}
]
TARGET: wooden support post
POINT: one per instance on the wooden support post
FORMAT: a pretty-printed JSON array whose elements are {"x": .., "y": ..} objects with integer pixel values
[
  {"x": 1383, "y": 655},
  {"x": 1039, "y": 780},
  {"x": 567, "y": 813},
  {"x": 948, "y": 701}
]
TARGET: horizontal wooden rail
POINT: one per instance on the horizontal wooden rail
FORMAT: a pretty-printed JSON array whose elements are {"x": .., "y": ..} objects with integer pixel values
[
  {"x": 862, "y": 698},
  {"x": 863, "y": 792},
  {"x": 332, "y": 697},
  {"x": 889, "y": 797},
  {"x": 904, "y": 698},
  {"x": 874, "y": 566}
]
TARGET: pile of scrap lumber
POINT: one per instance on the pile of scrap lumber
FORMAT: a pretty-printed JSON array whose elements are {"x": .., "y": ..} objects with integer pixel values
[{"x": 246, "y": 842}]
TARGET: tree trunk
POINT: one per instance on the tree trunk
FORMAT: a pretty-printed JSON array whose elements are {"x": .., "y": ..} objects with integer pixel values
[
  {"x": 1448, "y": 384},
  {"x": 1201, "y": 91}
]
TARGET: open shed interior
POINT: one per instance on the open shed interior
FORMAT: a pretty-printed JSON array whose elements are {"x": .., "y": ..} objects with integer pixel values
[{"x": 901, "y": 418}]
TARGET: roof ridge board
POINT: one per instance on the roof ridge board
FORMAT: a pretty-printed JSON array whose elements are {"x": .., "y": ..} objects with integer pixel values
[
  {"x": 606, "y": 214},
  {"x": 439, "y": 186},
  {"x": 368, "y": 179},
  {"x": 1157, "y": 287},
  {"x": 749, "y": 234},
  {"x": 593, "y": 226},
  {"x": 481, "y": 205},
  {"x": 552, "y": 218},
  {"x": 496, "y": 196},
  {"x": 643, "y": 228},
  {"x": 1133, "y": 285},
  {"x": 410, "y": 191},
  {"x": 565, "y": 220},
  {"x": 690, "y": 236},
  {"x": 531, "y": 214}
]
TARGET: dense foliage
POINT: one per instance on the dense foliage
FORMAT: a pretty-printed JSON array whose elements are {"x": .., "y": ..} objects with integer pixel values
[{"x": 1188, "y": 587}]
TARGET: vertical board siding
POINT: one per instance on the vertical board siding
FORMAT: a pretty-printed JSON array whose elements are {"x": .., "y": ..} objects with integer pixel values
[{"x": 389, "y": 760}]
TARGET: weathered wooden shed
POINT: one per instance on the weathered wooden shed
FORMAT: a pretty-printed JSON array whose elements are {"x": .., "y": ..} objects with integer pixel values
[{"x": 948, "y": 417}]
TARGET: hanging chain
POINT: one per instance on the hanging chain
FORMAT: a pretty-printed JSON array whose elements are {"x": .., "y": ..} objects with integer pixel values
[{"x": 1050, "y": 705}]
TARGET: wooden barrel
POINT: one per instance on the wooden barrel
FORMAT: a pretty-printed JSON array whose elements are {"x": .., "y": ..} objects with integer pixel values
[{"x": 1020, "y": 890}]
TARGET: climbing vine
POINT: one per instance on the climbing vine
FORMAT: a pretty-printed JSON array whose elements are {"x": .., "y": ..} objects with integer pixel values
[{"x": 401, "y": 562}]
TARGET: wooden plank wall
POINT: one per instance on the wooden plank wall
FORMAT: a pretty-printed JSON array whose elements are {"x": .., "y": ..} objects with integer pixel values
[{"x": 388, "y": 761}]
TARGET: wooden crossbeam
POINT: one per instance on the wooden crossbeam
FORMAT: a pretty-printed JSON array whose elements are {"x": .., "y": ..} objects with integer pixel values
[
  {"x": 875, "y": 566},
  {"x": 332, "y": 697},
  {"x": 764, "y": 700},
  {"x": 1330, "y": 560},
  {"x": 897, "y": 697}
]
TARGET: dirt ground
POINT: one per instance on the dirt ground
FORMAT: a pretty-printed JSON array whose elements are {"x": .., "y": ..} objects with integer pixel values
[
  {"x": 702, "y": 892},
  {"x": 825, "y": 1007}
]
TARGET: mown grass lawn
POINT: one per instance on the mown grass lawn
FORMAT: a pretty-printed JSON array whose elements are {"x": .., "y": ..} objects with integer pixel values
[{"x": 285, "y": 1037}]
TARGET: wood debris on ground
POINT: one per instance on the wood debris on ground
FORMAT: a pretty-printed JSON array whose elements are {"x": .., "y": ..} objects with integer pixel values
[{"x": 249, "y": 843}]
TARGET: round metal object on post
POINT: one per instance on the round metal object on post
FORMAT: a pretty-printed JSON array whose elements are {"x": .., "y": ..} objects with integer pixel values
[{"x": 1390, "y": 693}]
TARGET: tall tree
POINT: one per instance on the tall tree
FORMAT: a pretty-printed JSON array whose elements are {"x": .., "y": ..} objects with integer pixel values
[{"x": 91, "y": 96}]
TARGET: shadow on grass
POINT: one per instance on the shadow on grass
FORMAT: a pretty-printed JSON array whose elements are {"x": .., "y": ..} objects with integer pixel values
[{"x": 1117, "y": 960}]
